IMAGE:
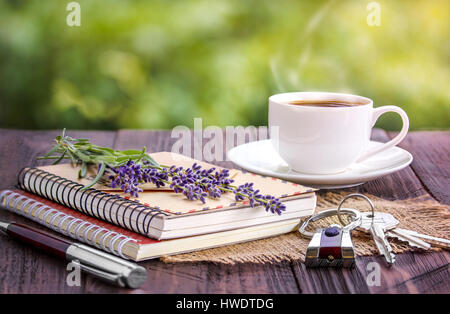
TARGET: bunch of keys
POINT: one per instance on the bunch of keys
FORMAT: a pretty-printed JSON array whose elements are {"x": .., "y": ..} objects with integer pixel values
[
  {"x": 331, "y": 246},
  {"x": 380, "y": 225}
]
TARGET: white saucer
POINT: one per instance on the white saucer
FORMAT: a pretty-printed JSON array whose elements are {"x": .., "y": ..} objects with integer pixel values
[{"x": 260, "y": 157}]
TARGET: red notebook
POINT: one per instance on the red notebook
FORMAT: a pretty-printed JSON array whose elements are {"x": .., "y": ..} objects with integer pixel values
[{"x": 122, "y": 242}]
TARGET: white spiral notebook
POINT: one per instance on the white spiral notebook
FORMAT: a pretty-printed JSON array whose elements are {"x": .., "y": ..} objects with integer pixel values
[
  {"x": 160, "y": 213},
  {"x": 122, "y": 242}
]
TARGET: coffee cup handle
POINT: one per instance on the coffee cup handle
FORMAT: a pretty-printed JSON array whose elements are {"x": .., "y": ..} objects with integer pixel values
[{"x": 377, "y": 112}]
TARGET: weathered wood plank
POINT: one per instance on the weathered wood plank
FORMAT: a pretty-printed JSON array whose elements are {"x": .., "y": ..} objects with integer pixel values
[
  {"x": 417, "y": 272},
  {"x": 20, "y": 148},
  {"x": 162, "y": 141},
  {"x": 412, "y": 273},
  {"x": 399, "y": 185},
  {"x": 212, "y": 278},
  {"x": 24, "y": 269},
  {"x": 431, "y": 152}
]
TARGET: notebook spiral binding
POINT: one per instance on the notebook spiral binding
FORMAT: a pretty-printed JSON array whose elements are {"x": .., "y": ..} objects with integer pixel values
[
  {"x": 87, "y": 200},
  {"x": 35, "y": 209}
]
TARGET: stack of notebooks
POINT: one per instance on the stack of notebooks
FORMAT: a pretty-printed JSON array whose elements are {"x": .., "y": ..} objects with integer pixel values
[{"x": 159, "y": 222}]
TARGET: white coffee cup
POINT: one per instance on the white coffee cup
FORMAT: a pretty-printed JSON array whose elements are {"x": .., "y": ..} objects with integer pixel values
[{"x": 325, "y": 140}]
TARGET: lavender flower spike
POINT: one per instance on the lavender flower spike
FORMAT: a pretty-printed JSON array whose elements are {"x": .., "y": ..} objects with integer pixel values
[{"x": 195, "y": 183}]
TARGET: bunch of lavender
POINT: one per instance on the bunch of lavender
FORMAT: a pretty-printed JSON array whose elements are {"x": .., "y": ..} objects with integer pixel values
[
  {"x": 195, "y": 183},
  {"x": 129, "y": 169}
]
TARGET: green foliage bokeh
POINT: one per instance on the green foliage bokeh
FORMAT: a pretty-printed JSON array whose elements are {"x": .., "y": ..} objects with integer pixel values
[{"x": 158, "y": 64}]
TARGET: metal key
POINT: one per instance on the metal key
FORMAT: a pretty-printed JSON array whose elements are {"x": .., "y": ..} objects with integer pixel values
[
  {"x": 416, "y": 239},
  {"x": 412, "y": 241},
  {"x": 377, "y": 224}
]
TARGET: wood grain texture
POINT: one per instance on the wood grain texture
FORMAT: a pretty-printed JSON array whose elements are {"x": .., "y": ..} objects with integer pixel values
[
  {"x": 22, "y": 268},
  {"x": 26, "y": 270},
  {"x": 431, "y": 164},
  {"x": 399, "y": 185},
  {"x": 21, "y": 148}
]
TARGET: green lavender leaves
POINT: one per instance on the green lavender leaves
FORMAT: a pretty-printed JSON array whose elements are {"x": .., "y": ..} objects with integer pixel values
[{"x": 81, "y": 151}]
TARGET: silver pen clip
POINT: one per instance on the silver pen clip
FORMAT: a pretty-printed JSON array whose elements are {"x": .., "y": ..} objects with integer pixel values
[{"x": 106, "y": 266}]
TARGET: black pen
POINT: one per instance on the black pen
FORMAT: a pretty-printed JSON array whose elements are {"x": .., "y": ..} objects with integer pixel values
[{"x": 97, "y": 263}]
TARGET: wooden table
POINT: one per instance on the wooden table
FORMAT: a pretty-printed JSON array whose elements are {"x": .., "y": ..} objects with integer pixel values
[{"x": 26, "y": 270}]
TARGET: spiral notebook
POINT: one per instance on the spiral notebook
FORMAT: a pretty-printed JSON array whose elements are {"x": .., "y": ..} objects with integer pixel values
[
  {"x": 122, "y": 242},
  {"x": 161, "y": 213}
]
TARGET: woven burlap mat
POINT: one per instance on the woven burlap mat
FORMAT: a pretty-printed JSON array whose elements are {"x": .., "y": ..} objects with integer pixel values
[{"x": 420, "y": 214}]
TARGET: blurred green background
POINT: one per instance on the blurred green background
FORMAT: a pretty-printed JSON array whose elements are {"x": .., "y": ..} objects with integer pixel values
[{"x": 158, "y": 64}]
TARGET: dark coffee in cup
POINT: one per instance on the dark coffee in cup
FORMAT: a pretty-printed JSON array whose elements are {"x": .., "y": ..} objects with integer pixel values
[{"x": 326, "y": 103}]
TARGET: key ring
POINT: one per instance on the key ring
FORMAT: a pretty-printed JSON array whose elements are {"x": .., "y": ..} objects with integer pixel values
[
  {"x": 354, "y": 195},
  {"x": 328, "y": 213}
]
